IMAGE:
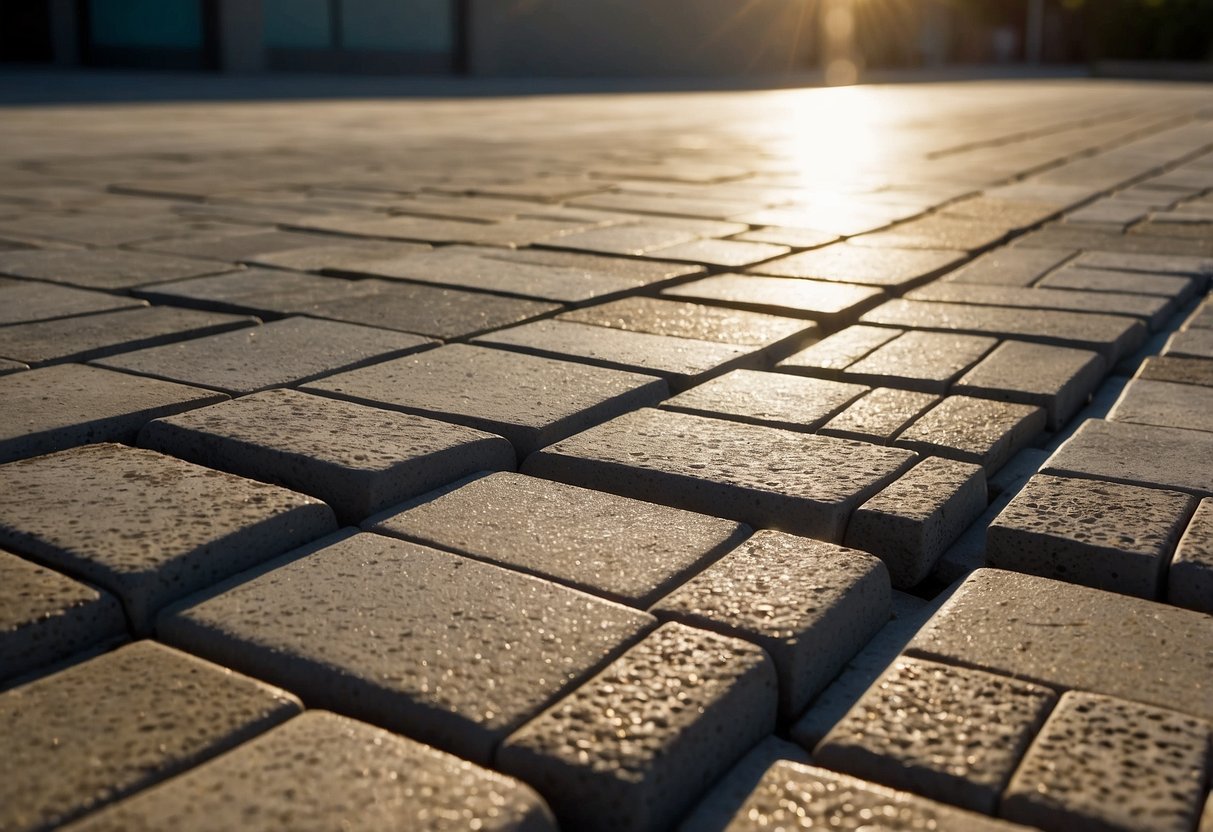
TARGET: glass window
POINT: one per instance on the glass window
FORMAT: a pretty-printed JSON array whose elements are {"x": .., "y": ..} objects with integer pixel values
[
  {"x": 398, "y": 25},
  {"x": 298, "y": 24},
  {"x": 173, "y": 24}
]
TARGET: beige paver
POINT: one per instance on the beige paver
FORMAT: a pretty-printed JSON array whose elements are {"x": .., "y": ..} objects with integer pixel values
[
  {"x": 1009, "y": 267},
  {"x": 928, "y": 362},
  {"x": 1177, "y": 370},
  {"x": 984, "y": 432},
  {"x": 817, "y": 300},
  {"x": 774, "y": 399},
  {"x": 1157, "y": 457},
  {"x": 1154, "y": 310},
  {"x": 1149, "y": 402},
  {"x": 26, "y": 302},
  {"x": 1190, "y": 580},
  {"x": 880, "y": 416},
  {"x": 106, "y": 269},
  {"x": 834, "y": 353},
  {"x": 846, "y": 263}
]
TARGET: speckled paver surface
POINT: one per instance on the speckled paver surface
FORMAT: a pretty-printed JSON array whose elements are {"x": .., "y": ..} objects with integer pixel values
[{"x": 740, "y": 460}]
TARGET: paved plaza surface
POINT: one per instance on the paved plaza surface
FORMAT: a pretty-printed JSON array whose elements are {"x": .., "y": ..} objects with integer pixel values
[{"x": 750, "y": 460}]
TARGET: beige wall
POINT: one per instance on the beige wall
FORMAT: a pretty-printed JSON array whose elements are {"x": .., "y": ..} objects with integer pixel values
[{"x": 640, "y": 37}]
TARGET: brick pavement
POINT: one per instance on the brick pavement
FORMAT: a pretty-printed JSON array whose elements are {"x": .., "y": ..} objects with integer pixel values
[{"x": 743, "y": 460}]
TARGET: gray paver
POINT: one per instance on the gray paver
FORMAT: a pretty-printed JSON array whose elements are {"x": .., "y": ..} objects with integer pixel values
[
  {"x": 680, "y": 361},
  {"x": 810, "y": 605},
  {"x": 147, "y": 527},
  {"x": 107, "y": 333},
  {"x": 729, "y": 793},
  {"x": 1059, "y": 379},
  {"x": 1147, "y": 402},
  {"x": 451, "y": 651},
  {"x": 250, "y": 291},
  {"x": 791, "y": 794},
  {"x": 358, "y": 459},
  {"x": 531, "y": 401},
  {"x": 766, "y": 477},
  {"x": 730, "y": 254},
  {"x": 938, "y": 231},
  {"x": 1104, "y": 763},
  {"x": 1075, "y": 637},
  {"x": 1192, "y": 343},
  {"x": 1158, "y": 457},
  {"x": 106, "y": 728},
  {"x": 320, "y": 771},
  {"x": 775, "y": 399},
  {"x": 790, "y": 237},
  {"x": 46, "y": 617},
  {"x": 65, "y": 405},
  {"x": 1196, "y": 267},
  {"x": 337, "y": 257},
  {"x": 947, "y": 733},
  {"x": 880, "y": 415},
  {"x": 1112, "y": 336},
  {"x": 664, "y": 720},
  {"x": 1151, "y": 309},
  {"x": 233, "y": 246},
  {"x": 29, "y": 301},
  {"x": 927, "y": 362},
  {"x": 814, "y": 299},
  {"x": 912, "y": 522},
  {"x": 834, "y": 353},
  {"x": 278, "y": 354},
  {"x": 507, "y": 233},
  {"x": 102, "y": 268},
  {"x": 679, "y": 319},
  {"x": 627, "y": 550},
  {"x": 984, "y": 432},
  {"x": 1101, "y": 534},
  {"x": 1009, "y": 267},
  {"x": 629, "y": 239},
  {"x": 846, "y": 263},
  {"x": 1180, "y": 289},
  {"x": 1177, "y": 370},
  {"x": 1190, "y": 580}
]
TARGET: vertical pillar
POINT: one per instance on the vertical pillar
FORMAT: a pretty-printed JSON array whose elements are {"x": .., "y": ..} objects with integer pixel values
[{"x": 240, "y": 31}]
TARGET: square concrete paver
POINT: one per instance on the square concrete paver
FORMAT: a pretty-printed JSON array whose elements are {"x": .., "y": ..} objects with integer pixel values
[
  {"x": 278, "y": 354},
  {"x": 448, "y": 650},
  {"x": 358, "y": 459},
  {"x": 1156, "y": 457},
  {"x": 104, "y": 729},
  {"x": 663, "y": 721},
  {"x": 626, "y": 550},
  {"x": 146, "y": 527},
  {"x": 531, "y": 401},
  {"x": 973, "y": 430},
  {"x": 1101, "y": 534},
  {"x": 728, "y": 254},
  {"x": 46, "y": 617},
  {"x": 774, "y": 399},
  {"x": 1190, "y": 581},
  {"x": 105, "y": 269},
  {"x": 810, "y": 605},
  {"x": 763, "y": 476},
  {"x": 880, "y": 415},
  {"x": 323, "y": 771},
  {"x": 817, "y": 300},
  {"x": 59, "y": 407}
]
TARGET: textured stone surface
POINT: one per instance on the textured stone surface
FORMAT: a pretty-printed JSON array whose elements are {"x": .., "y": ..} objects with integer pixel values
[
  {"x": 115, "y": 724},
  {"x": 659, "y": 316},
  {"x": 107, "y": 333},
  {"x": 1199, "y": 268},
  {"x": 357, "y": 459},
  {"x": 1059, "y": 379},
  {"x": 62, "y": 406},
  {"x": 453, "y": 652},
  {"x": 1009, "y": 267},
  {"x": 663, "y": 721},
  {"x": 111, "y": 269},
  {"x": 815, "y": 299},
  {"x": 791, "y": 795},
  {"x": 1147, "y": 402},
  {"x": 810, "y": 605},
  {"x": 766, "y": 477},
  {"x": 775, "y": 399},
  {"x": 1152, "y": 309},
  {"x": 275, "y": 355},
  {"x": 624, "y": 549},
  {"x": 1190, "y": 581},
  {"x": 729, "y": 254},
  {"x": 911, "y": 523},
  {"x": 730, "y": 792},
  {"x": 984, "y": 432},
  {"x": 27, "y": 302},
  {"x": 147, "y": 527},
  {"x": 880, "y": 415},
  {"x": 1138, "y": 455},
  {"x": 46, "y": 617},
  {"x": 1177, "y": 370},
  {"x": 7, "y": 366},
  {"x": 1076, "y": 277},
  {"x": 530, "y": 400},
  {"x": 947, "y": 733},
  {"x": 870, "y": 266},
  {"x": 337, "y": 258},
  {"x": 1100, "y": 534},
  {"x": 262, "y": 292},
  {"x": 1192, "y": 343},
  {"x": 1075, "y": 637},
  {"x": 321, "y": 771},
  {"x": 833, "y": 354},
  {"x": 681, "y": 361},
  {"x": 1112, "y": 336},
  {"x": 924, "y": 361},
  {"x": 1104, "y": 763},
  {"x": 629, "y": 239}
]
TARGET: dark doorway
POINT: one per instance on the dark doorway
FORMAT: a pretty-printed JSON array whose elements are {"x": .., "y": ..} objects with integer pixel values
[{"x": 25, "y": 31}]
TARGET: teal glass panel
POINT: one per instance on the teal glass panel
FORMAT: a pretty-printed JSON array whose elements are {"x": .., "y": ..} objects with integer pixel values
[
  {"x": 298, "y": 24},
  {"x": 172, "y": 24},
  {"x": 398, "y": 25}
]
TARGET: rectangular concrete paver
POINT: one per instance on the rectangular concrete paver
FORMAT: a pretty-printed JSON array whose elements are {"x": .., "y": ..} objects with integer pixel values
[
  {"x": 1074, "y": 277},
  {"x": 880, "y": 415},
  {"x": 59, "y": 407},
  {"x": 817, "y": 300},
  {"x": 834, "y": 353},
  {"x": 1151, "y": 309},
  {"x": 730, "y": 792},
  {"x": 1191, "y": 343},
  {"x": 146, "y": 527},
  {"x": 1190, "y": 580},
  {"x": 1156, "y": 457},
  {"x": 1009, "y": 267},
  {"x": 531, "y": 401},
  {"x": 26, "y": 302},
  {"x": 774, "y": 399},
  {"x": 663, "y": 721},
  {"x": 320, "y": 770},
  {"x": 729, "y": 254},
  {"x": 1148, "y": 402},
  {"x": 810, "y": 605},
  {"x": 358, "y": 459},
  {"x": 1075, "y": 638},
  {"x": 766, "y": 477},
  {"x": 846, "y": 263},
  {"x": 447, "y": 650},
  {"x": 626, "y": 550},
  {"x": 924, "y": 361},
  {"x": 984, "y": 432},
  {"x": 261, "y": 292},
  {"x": 104, "y": 729},
  {"x": 106, "y": 269},
  {"x": 1059, "y": 379}
]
